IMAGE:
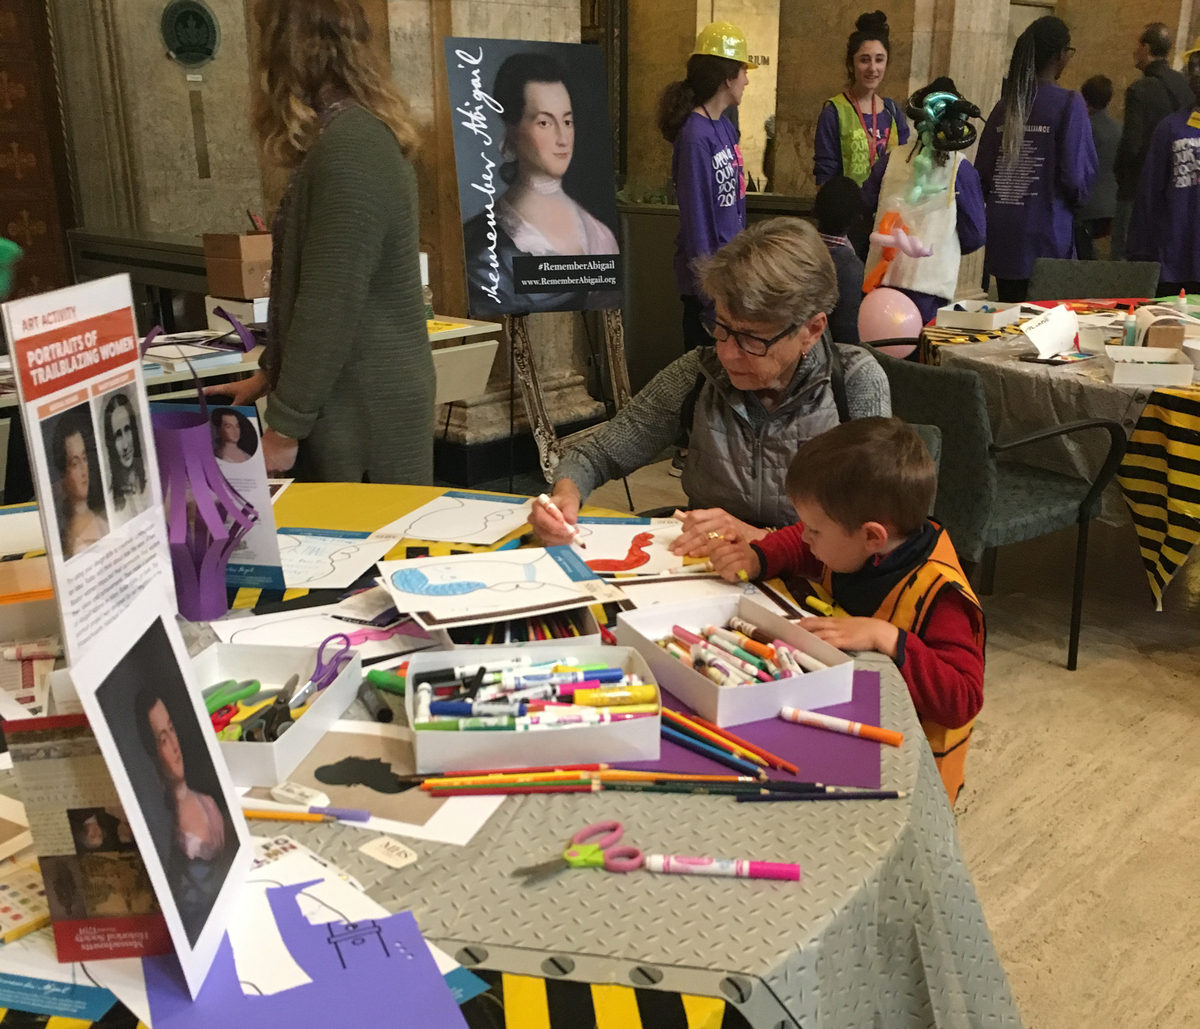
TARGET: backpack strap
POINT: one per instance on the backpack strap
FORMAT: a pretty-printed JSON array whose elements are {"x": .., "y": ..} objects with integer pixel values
[{"x": 837, "y": 377}]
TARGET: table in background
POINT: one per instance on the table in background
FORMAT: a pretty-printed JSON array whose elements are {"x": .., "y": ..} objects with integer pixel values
[
  {"x": 886, "y": 925},
  {"x": 1159, "y": 480}
]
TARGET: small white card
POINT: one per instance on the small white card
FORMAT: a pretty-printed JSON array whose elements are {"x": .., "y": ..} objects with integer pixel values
[{"x": 391, "y": 852}]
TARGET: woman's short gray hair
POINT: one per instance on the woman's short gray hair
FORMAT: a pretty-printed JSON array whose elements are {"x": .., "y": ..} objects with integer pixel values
[{"x": 777, "y": 270}]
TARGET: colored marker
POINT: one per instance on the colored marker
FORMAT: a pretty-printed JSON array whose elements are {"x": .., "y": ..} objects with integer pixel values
[
  {"x": 376, "y": 708},
  {"x": 482, "y": 724},
  {"x": 602, "y": 697},
  {"x": 843, "y": 725},
  {"x": 386, "y": 680},
  {"x": 568, "y": 528},
  {"x": 678, "y": 864}
]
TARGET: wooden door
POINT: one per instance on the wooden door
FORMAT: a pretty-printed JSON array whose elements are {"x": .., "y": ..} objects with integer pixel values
[{"x": 35, "y": 201}]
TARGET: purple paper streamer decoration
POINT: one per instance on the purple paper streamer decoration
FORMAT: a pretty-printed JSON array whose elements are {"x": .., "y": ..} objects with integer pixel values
[{"x": 206, "y": 517}]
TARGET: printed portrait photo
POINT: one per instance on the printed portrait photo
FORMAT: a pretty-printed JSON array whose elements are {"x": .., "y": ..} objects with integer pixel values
[
  {"x": 75, "y": 482},
  {"x": 535, "y": 175},
  {"x": 146, "y": 706},
  {"x": 125, "y": 443},
  {"x": 235, "y": 439}
]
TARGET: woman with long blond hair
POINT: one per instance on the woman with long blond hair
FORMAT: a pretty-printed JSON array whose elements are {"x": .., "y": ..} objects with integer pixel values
[{"x": 347, "y": 371}]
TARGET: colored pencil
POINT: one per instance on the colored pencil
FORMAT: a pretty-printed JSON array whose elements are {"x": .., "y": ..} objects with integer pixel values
[
  {"x": 772, "y": 759},
  {"x": 287, "y": 816},
  {"x": 834, "y": 795},
  {"x": 486, "y": 791},
  {"x": 464, "y": 773},
  {"x": 494, "y": 780},
  {"x": 716, "y": 738},
  {"x": 723, "y": 757},
  {"x": 632, "y": 775}
]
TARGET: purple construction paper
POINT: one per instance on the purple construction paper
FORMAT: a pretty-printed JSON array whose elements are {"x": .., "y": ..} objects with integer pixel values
[
  {"x": 375, "y": 972},
  {"x": 821, "y": 756}
]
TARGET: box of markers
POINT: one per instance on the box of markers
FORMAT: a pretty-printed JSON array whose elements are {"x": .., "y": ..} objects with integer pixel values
[
  {"x": 628, "y": 739},
  {"x": 576, "y": 627},
  {"x": 263, "y": 763},
  {"x": 749, "y": 702}
]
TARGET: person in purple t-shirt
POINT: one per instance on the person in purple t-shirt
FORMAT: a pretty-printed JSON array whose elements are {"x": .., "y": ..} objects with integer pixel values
[
  {"x": 706, "y": 166},
  {"x": 1036, "y": 160},
  {"x": 1165, "y": 225}
]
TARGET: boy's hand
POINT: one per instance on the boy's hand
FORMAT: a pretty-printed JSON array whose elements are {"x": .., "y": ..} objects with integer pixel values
[
  {"x": 855, "y": 633},
  {"x": 735, "y": 561},
  {"x": 706, "y": 527}
]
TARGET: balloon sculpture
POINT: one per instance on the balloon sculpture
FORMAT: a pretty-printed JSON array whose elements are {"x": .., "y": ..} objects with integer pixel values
[{"x": 888, "y": 314}]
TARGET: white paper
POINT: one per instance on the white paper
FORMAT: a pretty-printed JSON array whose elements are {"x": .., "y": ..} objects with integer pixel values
[
  {"x": 307, "y": 627},
  {"x": 1052, "y": 332},
  {"x": 83, "y": 402},
  {"x": 20, "y": 530},
  {"x": 629, "y": 546},
  {"x": 457, "y": 517},
  {"x": 326, "y": 560},
  {"x": 468, "y": 588}
]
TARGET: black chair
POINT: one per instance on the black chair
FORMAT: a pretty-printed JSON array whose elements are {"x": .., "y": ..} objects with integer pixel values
[
  {"x": 984, "y": 503},
  {"x": 1055, "y": 279}
]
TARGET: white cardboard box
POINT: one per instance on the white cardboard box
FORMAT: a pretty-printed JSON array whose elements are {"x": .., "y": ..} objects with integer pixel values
[
  {"x": 245, "y": 311},
  {"x": 590, "y": 636},
  {"x": 974, "y": 317},
  {"x": 1150, "y": 366},
  {"x": 268, "y": 764},
  {"x": 437, "y": 751},
  {"x": 733, "y": 705}
]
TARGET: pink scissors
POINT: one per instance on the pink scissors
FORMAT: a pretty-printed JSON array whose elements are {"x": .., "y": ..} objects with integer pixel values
[{"x": 592, "y": 847}]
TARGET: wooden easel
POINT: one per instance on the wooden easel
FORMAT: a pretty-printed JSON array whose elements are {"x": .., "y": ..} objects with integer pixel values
[{"x": 521, "y": 367}]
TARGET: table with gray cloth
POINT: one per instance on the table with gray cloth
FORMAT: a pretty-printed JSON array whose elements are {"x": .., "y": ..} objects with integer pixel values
[
  {"x": 1023, "y": 397},
  {"x": 885, "y": 930}
]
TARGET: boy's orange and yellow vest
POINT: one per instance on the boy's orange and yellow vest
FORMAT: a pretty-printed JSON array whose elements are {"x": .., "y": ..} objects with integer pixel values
[{"x": 907, "y": 606}]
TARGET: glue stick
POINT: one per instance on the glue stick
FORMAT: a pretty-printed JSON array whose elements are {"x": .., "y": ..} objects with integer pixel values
[{"x": 1130, "y": 328}]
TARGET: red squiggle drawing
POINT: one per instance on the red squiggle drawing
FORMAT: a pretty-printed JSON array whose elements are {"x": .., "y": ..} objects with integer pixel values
[{"x": 636, "y": 557}]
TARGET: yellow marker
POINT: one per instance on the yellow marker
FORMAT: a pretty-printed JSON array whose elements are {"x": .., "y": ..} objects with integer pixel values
[
  {"x": 819, "y": 606},
  {"x": 605, "y": 696}
]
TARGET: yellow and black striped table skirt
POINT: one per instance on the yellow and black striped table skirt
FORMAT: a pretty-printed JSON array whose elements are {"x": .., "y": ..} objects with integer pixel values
[{"x": 1160, "y": 477}]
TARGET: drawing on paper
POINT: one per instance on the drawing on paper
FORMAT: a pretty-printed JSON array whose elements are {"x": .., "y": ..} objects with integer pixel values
[
  {"x": 461, "y": 518},
  {"x": 328, "y": 562},
  {"x": 636, "y": 546}
]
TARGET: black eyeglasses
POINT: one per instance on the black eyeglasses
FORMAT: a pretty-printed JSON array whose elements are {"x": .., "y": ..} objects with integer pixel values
[{"x": 747, "y": 342}]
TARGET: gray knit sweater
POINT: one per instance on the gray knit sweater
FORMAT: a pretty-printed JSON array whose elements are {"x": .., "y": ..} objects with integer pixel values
[
  {"x": 743, "y": 462},
  {"x": 355, "y": 369}
]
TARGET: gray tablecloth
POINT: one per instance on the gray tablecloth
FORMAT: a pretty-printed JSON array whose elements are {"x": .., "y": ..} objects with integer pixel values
[
  {"x": 1023, "y": 397},
  {"x": 885, "y": 929}
]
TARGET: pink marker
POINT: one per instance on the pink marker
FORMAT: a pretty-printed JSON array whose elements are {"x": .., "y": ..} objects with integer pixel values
[
  {"x": 682, "y": 634},
  {"x": 677, "y": 864}
]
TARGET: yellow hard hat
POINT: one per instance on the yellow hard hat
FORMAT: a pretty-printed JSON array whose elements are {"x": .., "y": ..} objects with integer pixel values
[
  {"x": 1187, "y": 53},
  {"x": 723, "y": 39}
]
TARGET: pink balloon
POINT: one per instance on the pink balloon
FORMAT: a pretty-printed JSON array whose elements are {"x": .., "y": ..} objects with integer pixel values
[{"x": 888, "y": 314}]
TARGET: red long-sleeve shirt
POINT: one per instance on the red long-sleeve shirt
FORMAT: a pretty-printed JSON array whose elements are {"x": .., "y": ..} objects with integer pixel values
[{"x": 943, "y": 666}]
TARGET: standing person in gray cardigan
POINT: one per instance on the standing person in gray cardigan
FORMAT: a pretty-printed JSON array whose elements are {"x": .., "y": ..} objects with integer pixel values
[
  {"x": 348, "y": 369},
  {"x": 1094, "y": 219},
  {"x": 765, "y": 386}
]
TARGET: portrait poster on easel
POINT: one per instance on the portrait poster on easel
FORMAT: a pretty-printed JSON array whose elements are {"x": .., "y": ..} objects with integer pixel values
[
  {"x": 533, "y": 151},
  {"x": 79, "y": 378}
]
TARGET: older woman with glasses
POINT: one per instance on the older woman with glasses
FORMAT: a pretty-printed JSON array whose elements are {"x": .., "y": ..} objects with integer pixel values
[{"x": 770, "y": 380}]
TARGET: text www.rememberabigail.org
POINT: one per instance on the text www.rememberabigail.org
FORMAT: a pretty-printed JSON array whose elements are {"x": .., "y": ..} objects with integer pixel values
[{"x": 552, "y": 273}]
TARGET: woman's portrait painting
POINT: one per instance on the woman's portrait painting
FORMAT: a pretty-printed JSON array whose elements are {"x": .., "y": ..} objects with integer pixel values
[
  {"x": 123, "y": 450},
  {"x": 535, "y": 175},
  {"x": 171, "y": 767},
  {"x": 78, "y": 492}
]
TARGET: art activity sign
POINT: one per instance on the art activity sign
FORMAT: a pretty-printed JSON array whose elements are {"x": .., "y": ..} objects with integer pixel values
[
  {"x": 533, "y": 151},
  {"x": 83, "y": 400}
]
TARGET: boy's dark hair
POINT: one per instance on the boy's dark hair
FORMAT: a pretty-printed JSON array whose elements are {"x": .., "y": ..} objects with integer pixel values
[
  {"x": 866, "y": 470},
  {"x": 1097, "y": 92},
  {"x": 838, "y": 206}
]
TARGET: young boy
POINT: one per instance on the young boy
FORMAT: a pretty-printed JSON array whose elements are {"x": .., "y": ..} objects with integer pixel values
[{"x": 862, "y": 491}]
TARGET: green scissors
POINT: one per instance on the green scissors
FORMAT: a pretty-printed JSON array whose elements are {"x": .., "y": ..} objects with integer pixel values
[{"x": 229, "y": 692}]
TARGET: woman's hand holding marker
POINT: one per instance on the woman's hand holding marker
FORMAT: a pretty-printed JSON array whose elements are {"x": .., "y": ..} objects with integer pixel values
[
  {"x": 553, "y": 517},
  {"x": 735, "y": 561},
  {"x": 706, "y": 528}
]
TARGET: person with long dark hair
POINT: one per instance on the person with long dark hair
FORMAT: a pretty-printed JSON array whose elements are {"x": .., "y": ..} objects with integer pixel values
[
  {"x": 706, "y": 161},
  {"x": 126, "y": 465},
  {"x": 81, "y": 521},
  {"x": 196, "y": 861},
  {"x": 856, "y": 127},
  {"x": 1036, "y": 160},
  {"x": 535, "y": 216},
  {"x": 348, "y": 369}
]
